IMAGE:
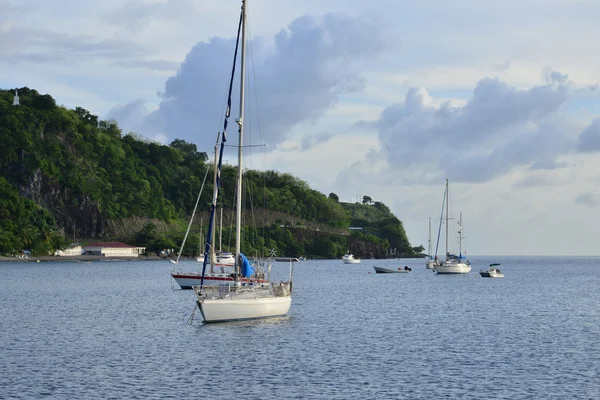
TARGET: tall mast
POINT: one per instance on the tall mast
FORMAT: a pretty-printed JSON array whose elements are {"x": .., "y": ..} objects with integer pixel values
[
  {"x": 221, "y": 235},
  {"x": 210, "y": 246},
  {"x": 240, "y": 121},
  {"x": 460, "y": 235},
  {"x": 429, "y": 241},
  {"x": 446, "y": 219},
  {"x": 216, "y": 191}
]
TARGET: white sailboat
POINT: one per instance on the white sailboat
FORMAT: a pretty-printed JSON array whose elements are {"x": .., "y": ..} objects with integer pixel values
[
  {"x": 453, "y": 264},
  {"x": 239, "y": 300}
]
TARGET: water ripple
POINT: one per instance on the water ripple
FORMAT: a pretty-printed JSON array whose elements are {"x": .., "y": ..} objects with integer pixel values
[{"x": 118, "y": 330}]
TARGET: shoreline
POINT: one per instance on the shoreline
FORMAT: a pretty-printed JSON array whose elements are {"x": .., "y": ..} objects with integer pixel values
[
  {"x": 87, "y": 258},
  {"x": 79, "y": 258}
]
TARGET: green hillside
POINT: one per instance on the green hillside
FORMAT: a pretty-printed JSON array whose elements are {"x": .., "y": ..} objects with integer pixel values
[{"x": 65, "y": 175}]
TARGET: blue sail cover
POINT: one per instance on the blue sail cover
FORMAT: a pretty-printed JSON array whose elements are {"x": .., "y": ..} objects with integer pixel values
[{"x": 247, "y": 269}]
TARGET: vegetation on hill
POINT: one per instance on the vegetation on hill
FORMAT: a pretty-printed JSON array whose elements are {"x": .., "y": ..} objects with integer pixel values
[{"x": 65, "y": 174}]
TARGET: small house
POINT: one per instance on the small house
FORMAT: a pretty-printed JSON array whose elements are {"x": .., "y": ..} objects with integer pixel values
[
  {"x": 74, "y": 249},
  {"x": 112, "y": 249}
]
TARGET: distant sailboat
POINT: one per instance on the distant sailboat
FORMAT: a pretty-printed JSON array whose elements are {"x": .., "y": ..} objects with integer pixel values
[{"x": 453, "y": 264}]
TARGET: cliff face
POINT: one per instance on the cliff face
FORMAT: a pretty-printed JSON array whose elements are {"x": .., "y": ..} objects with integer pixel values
[{"x": 76, "y": 214}]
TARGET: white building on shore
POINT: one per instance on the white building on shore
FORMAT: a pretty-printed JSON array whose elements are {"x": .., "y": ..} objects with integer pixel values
[
  {"x": 112, "y": 249},
  {"x": 74, "y": 249}
]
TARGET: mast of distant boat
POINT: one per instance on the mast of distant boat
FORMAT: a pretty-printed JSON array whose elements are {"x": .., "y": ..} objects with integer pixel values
[
  {"x": 240, "y": 121},
  {"x": 460, "y": 236},
  {"x": 221, "y": 236},
  {"x": 437, "y": 242},
  {"x": 447, "y": 254},
  {"x": 429, "y": 242}
]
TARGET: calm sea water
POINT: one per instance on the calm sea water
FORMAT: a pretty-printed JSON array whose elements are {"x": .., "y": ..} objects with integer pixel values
[{"x": 119, "y": 330}]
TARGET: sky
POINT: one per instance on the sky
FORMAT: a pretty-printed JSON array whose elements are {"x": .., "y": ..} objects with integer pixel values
[{"x": 384, "y": 99}]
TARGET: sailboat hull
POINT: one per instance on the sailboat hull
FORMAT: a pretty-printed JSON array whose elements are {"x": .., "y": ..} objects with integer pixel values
[
  {"x": 236, "y": 309},
  {"x": 187, "y": 280},
  {"x": 454, "y": 268}
]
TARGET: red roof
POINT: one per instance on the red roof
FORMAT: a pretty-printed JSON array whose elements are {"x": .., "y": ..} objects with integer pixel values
[{"x": 109, "y": 244}]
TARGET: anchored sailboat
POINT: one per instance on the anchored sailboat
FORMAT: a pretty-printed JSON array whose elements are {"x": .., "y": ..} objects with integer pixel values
[
  {"x": 241, "y": 300},
  {"x": 453, "y": 264}
]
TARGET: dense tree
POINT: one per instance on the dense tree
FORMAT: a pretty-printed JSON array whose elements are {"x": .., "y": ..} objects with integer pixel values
[
  {"x": 67, "y": 173},
  {"x": 24, "y": 224},
  {"x": 418, "y": 249}
]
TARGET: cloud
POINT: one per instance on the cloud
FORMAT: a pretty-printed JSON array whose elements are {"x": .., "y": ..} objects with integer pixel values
[
  {"x": 8, "y": 9},
  {"x": 547, "y": 165},
  {"x": 135, "y": 117},
  {"x": 296, "y": 76},
  {"x": 589, "y": 139},
  {"x": 499, "y": 128},
  {"x": 30, "y": 43},
  {"x": 320, "y": 164},
  {"x": 136, "y": 16},
  {"x": 129, "y": 115},
  {"x": 539, "y": 178},
  {"x": 20, "y": 44},
  {"x": 310, "y": 141},
  {"x": 589, "y": 199},
  {"x": 150, "y": 65}
]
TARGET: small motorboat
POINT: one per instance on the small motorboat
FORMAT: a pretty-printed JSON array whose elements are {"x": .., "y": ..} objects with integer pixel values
[
  {"x": 350, "y": 259},
  {"x": 383, "y": 270},
  {"x": 492, "y": 272}
]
